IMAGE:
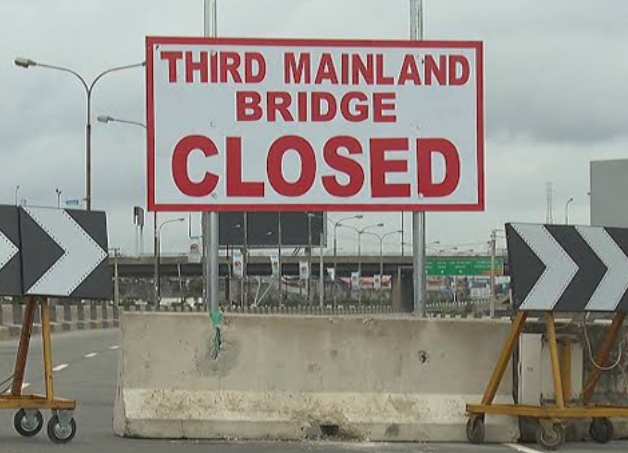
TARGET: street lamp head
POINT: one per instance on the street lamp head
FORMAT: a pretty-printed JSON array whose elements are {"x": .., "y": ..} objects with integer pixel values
[
  {"x": 24, "y": 62},
  {"x": 104, "y": 118},
  {"x": 181, "y": 219},
  {"x": 380, "y": 225},
  {"x": 359, "y": 216}
]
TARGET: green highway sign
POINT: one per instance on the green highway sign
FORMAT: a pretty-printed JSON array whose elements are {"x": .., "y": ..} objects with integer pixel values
[{"x": 464, "y": 265}]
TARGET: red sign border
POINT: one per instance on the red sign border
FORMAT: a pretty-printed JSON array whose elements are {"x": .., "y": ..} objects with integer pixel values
[{"x": 152, "y": 41}]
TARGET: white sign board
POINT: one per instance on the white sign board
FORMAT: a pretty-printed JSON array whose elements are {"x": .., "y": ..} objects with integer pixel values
[
  {"x": 293, "y": 125},
  {"x": 238, "y": 264},
  {"x": 377, "y": 281},
  {"x": 274, "y": 264},
  {"x": 304, "y": 270},
  {"x": 355, "y": 280}
]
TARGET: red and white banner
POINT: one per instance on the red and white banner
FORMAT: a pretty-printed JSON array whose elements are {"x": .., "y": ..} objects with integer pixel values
[{"x": 293, "y": 125}]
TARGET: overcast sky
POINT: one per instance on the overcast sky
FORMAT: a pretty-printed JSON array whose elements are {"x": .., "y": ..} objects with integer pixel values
[{"x": 555, "y": 92}]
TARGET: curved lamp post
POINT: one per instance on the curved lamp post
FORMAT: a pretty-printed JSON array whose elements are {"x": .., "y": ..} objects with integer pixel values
[
  {"x": 89, "y": 88},
  {"x": 158, "y": 255}
]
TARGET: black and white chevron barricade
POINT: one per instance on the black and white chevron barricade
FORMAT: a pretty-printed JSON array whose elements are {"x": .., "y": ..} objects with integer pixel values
[
  {"x": 560, "y": 269},
  {"x": 564, "y": 268},
  {"x": 48, "y": 252}
]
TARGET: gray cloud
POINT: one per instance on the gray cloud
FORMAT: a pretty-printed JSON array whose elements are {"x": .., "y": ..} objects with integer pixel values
[{"x": 555, "y": 94}]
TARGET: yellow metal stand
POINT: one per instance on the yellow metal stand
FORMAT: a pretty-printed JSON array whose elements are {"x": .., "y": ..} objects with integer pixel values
[
  {"x": 28, "y": 421},
  {"x": 551, "y": 433}
]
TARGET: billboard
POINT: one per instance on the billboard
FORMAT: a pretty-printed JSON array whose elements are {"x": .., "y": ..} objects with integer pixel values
[
  {"x": 271, "y": 229},
  {"x": 303, "y": 125}
]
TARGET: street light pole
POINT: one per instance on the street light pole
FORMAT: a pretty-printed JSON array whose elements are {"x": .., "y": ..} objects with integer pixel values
[
  {"x": 157, "y": 252},
  {"x": 360, "y": 233},
  {"x": 336, "y": 225},
  {"x": 89, "y": 88},
  {"x": 110, "y": 119},
  {"x": 58, "y": 192},
  {"x": 567, "y": 210}
]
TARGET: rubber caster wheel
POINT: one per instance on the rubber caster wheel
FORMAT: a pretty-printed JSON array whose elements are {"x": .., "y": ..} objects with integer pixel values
[
  {"x": 551, "y": 438},
  {"x": 475, "y": 429},
  {"x": 28, "y": 423},
  {"x": 61, "y": 433},
  {"x": 601, "y": 430}
]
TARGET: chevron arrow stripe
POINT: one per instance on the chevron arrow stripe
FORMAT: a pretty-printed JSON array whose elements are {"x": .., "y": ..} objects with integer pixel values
[
  {"x": 568, "y": 268},
  {"x": 80, "y": 253},
  {"x": 7, "y": 250},
  {"x": 559, "y": 271},
  {"x": 614, "y": 284}
]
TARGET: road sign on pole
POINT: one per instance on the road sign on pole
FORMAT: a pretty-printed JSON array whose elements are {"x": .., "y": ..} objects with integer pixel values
[
  {"x": 464, "y": 266},
  {"x": 568, "y": 268},
  {"x": 305, "y": 125}
]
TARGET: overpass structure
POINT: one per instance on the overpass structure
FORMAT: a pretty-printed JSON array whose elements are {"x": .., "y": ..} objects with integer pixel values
[{"x": 259, "y": 265}]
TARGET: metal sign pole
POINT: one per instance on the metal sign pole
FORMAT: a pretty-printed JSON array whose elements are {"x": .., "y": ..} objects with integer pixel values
[
  {"x": 210, "y": 219},
  {"x": 418, "y": 218}
]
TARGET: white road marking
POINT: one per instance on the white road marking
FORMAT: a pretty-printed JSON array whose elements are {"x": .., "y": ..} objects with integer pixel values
[
  {"x": 522, "y": 449},
  {"x": 25, "y": 385},
  {"x": 60, "y": 367},
  {"x": 114, "y": 347},
  {"x": 90, "y": 355}
]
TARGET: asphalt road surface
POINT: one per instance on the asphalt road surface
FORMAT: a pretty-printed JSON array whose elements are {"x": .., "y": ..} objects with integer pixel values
[{"x": 86, "y": 364}]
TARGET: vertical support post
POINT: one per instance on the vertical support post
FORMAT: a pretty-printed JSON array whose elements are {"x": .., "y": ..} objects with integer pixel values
[
  {"x": 418, "y": 259},
  {"x": 565, "y": 369},
  {"x": 504, "y": 357},
  {"x": 492, "y": 280},
  {"x": 45, "y": 340},
  {"x": 245, "y": 262},
  {"x": 22, "y": 351},
  {"x": 403, "y": 235},
  {"x": 210, "y": 220},
  {"x": 360, "y": 267},
  {"x": 280, "y": 276},
  {"x": 553, "y": 347},
  {"x": 309, "y": 257},
  {"x": 418, "y": 218},
  {"x": 602, "y": 356},
  {"x": 334, "y": 286},
  {"x": 321, "y": 274},
  {"x": 156, "y": 261},
  {"x": 116, "y": 279}
]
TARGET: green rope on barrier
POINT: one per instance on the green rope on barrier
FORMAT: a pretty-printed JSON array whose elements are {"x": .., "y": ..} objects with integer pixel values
[{"x": 216, "y": 317}]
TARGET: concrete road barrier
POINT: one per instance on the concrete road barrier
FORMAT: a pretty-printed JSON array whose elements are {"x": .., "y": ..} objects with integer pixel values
[
  {"x": 66, "y": 317},
  {"x": 293, "y": 377}
]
